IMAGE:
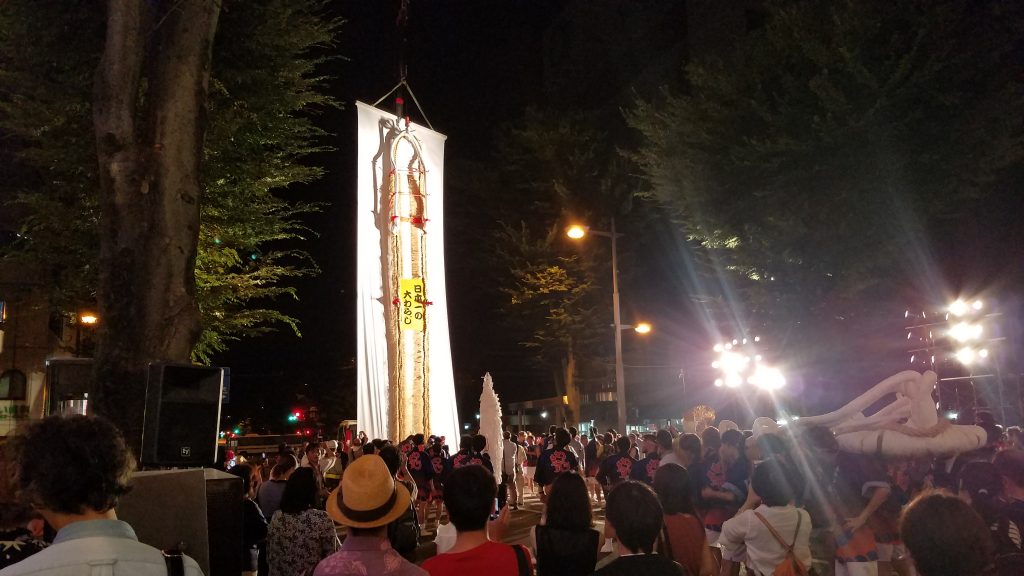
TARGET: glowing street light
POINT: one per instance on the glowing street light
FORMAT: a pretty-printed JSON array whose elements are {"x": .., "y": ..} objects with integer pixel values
[
  {"x": 88, "y": 318},
  {"x": 642, "y": 328},
  {"x": 576, "y": 232}
]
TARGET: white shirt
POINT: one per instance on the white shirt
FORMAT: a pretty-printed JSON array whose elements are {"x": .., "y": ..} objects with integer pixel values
[
  {"x": 508, "y": 457},
  {"x": 670, "y": 458},
  {"x": 763, "y": 551},
  {"x": 97, "y": 548}
]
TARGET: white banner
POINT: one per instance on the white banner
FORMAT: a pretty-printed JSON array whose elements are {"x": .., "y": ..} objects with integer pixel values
[{"x": 405, "y": 378}]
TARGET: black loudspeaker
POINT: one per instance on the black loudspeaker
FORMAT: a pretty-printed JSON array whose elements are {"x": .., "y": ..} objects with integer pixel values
[
  {"x": 182, "y": 415},
  {"x": 198, "y": 511}
]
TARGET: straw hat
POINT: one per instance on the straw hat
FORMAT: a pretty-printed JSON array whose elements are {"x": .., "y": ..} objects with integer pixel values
[{"x": 368, "y": 495}]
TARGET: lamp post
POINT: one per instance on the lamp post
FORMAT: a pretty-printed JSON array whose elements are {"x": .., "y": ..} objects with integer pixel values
[{"x": 577, "y": 232}]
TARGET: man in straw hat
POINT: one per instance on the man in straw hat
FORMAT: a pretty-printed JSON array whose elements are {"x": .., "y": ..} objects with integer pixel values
[{"x": 366, "y": 501}]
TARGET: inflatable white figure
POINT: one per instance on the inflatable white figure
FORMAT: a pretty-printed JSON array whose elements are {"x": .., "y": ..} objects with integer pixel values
[
  {"x": 763, "y": 425},
  {"x": 909, "y": 426},
  {"x": 490, "y": 425}
]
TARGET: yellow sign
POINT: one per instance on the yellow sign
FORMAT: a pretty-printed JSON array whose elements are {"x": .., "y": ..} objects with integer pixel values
[{"x": 414, "y": 304}]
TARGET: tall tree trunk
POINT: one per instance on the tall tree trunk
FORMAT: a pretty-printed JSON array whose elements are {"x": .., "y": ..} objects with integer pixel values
[{"x": 149, "y": 113}]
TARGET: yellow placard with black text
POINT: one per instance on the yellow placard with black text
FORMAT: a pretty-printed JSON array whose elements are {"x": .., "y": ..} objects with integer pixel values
[{"x": 414, "y": 308}]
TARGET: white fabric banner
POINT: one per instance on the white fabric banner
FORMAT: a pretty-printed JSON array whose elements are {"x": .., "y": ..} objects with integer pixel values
[{"x": 376, "y": 301}]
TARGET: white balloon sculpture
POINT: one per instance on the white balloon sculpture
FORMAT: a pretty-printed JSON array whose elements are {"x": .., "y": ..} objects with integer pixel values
[{"x": 909, "y": 426}]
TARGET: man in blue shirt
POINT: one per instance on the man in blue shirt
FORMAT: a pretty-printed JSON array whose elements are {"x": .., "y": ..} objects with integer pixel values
[{"x": 74, "y": 470}]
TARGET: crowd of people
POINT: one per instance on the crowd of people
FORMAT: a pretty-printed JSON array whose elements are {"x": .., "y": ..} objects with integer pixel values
[{"x": 724, "y": 502}]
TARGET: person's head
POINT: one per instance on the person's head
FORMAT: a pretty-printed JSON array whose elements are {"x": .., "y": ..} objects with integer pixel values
[
  {"x": 479, "y": 443},
  {"x": 284, "y": 467},
  {"x": 551, "y": 430},
  {"x": 672, "y": 486},
  {"x": 300, "y": 492},
  {"x": 650, "y": 444},
  {"x": 521, "y": 436},
  {"x": 469, "y": 494},
  {"x": 732, "y": 446},
  {"x": 568, "y": 504},
  {"x": 711, "y": 439},
  {"x": 392, "y": 458},
  {"x": 331, "y": 448},
  {"x": 771, "y": 482},
  {"x": 466, "y": 443},
  {"x": 664, "y": 439},
  {"x": 248, "y": 475},
  {"x": 689, "y": 445},
  {"x": 418, "y": 439},
  {"x": 980, "y": 486},
  {"x": 368, "y": 498},
  {"x": 506, "y": 435},
  {"x": 71, "y": 465},
  {"x": 633, "y": 516},
  {"x": 573, "y": 433},
  {"x": 313, "y": 453},
  {"x": 945, "y": 536},
  {"x": 562, "y": 438},
  {"x": 369, "y": 448},
  {"x": 622, "y": 445},
  {"x": 608, "y": 439},
  {"x": 1010, "y": 467}
]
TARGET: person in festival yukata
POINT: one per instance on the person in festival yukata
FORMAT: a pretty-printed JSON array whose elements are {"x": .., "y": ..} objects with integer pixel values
[
  {"x": 419, "y": 467},
  {"x": 644, "y": 469},
  {"x": 555, "y": 461},
  {"x": 725, "y": 486},
  {"x": 616, "y": 468}
]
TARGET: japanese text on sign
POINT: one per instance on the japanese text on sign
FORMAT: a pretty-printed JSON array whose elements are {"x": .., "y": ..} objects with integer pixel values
[{"x": 413, "y": 312}]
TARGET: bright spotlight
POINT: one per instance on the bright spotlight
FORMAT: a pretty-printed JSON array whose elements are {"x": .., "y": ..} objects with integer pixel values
[
  {"x": 757, "y": 338},
  {"x": 964, "y": 331},
  {"x": 719, "y": 348},
  {"x": 958, "y": 308},
  {"x": 966, "y": 356},
  {"x": 576, "y": 232},
  {"x": 733, "y": 380},
  {"x": 732, "y": 362},
  {"x": 719, "y": 382},
  {"x": 983, "y": 353},
  {"x": 767, "y": 378},
  {"x": 544, "y": 414},
  {"x": 976, "y": 305}
]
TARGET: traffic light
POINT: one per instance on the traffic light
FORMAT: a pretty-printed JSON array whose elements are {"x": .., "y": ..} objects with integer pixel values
[
  {"x": 295, "y": 416},
  {"x": 237, "y": 431}
]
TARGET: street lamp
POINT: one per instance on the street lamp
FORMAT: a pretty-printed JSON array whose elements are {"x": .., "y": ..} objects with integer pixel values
[{"x": 577, "y": 232}]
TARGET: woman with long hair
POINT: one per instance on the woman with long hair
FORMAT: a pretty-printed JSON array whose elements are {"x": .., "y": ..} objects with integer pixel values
[
  {"x": 682, "y": 537},
  {"x": 300, "y": 535},
  {"x": 565, "y": 542}
]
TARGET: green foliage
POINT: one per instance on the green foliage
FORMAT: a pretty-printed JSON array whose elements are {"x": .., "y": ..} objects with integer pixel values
[
  {"x": 46, "y": 126},
  {"x": 265, "y": 84},
  {"x": 814, "y": 161},
  {"x": 550, "y": 292},
  {"x": 263, "y": 90}
]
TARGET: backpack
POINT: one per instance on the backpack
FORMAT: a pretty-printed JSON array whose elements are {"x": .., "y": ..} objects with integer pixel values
[
  {"x": 790, "y": 565},
  {"x": 1008, "y": 557}
]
